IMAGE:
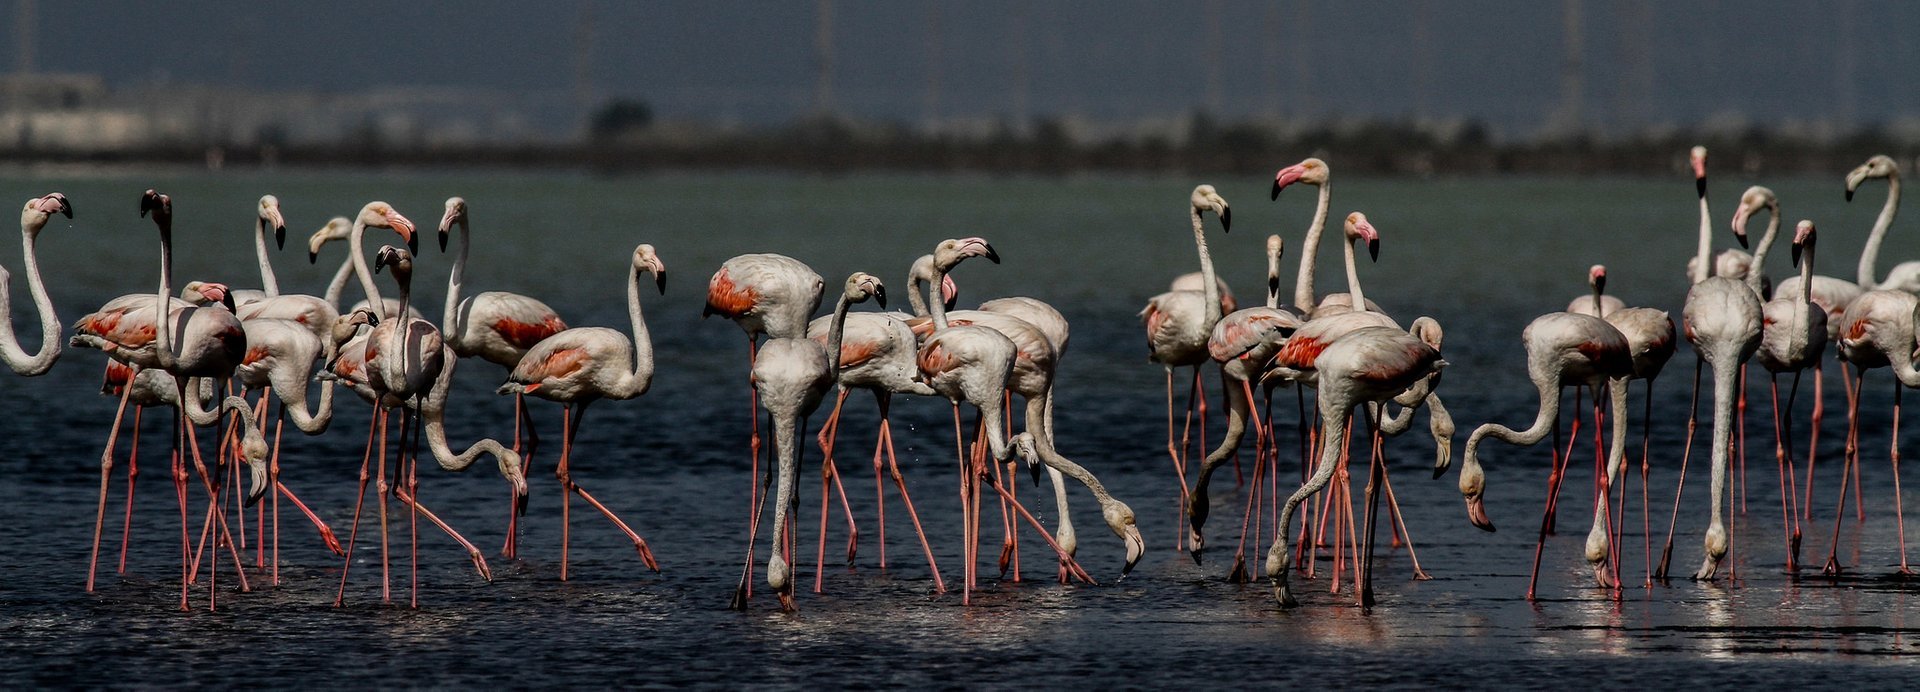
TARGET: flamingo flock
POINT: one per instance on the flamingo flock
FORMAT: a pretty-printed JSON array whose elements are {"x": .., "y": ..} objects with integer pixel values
[{"x": 220, "y": 358}]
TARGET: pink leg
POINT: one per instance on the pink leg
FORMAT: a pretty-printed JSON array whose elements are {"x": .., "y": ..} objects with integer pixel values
[
  {"x": 1679, "y": 488},
  {"x": 133, "y": 472},
  {"x": 1554, "y": 477},
  {"x": 1174, "y": 450},
  {"x": 106, "y": 471},
  {"x": 1813, "y": 444},
  {"x": 900, "y": 482},
  {"x": 1899, "y": 517},
  {"x": 359, "y": 501},
  {"x": 879, "y": 481}
]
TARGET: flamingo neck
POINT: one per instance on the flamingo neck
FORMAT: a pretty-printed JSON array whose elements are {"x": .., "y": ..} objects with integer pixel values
[
  {"x": 1212, "y": 288},
  {"x": 451, "y": 318},
  {"x": 1353, "y": 281},
  {"x": 1870, "y": 255},
  {"x": 835, "y": 333},
  {"x": 1756, "y": 272},
  {"x": 338, "y": 285},
  {"x": 937, "y": 306},
  {"x": 163, "y": 332},
  {"x": 433, "y": 411},
  {"x": 1704, "y": 269},
  {"x": 359, "y": 261},
  {"x": 915, "y": 276},
  {"x": 641, "y": 377},
  {"x": 1310, "y": 250},
  {"x": 1548, "y": 384},
  {"x": 269, "y": 284},
  {"x": 1597, "y": 293},
  {"x": 309, "y": 421},
  {"x": 10, "y": 350}
]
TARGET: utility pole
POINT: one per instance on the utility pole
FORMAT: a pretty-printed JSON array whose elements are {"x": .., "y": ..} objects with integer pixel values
[
  {"x": 1572, "y": 86},
  {"x": 823, "y": 59},
  {"x": 25, "y": 27},
  {"x": 930, "y": 101}
]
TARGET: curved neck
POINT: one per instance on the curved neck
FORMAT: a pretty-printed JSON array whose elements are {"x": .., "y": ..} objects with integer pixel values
[
  {"x": 1309, "y": 250},
  {"x": 915, "y": 298},
  {"x": 449, "y": 320},
  {"x": 637, "y": 381},
  {"x": 293, "y": 398},
  {"x": 1871, "y": 253},
  {"x": 338, "y": 284},
  {"x": 10, "y": 350},
  {"x": 836, "y": 330},
  {"x": 1353, "y": 282},
  {"x": 939, "y": 307},
  {"x": 1549, "y": 386},
  {"x": 268, "y": 283},
  {"x": 397, "y": 336},
  {"x": 434, "y": 412},
  {"x": 359, "y": 261},
  {"x": 1212, "y": 288},
  {"x": 1756, "y": 272},
  {"x": 1043, "y": 444},
  {"x": 1596, "y": 299}
]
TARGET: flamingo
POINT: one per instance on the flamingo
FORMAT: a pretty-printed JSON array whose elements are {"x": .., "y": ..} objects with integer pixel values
[
  {"x": 1242, "y": 343},
  {"x": 1179, "y": 323},
  {"x": 314, "y": 313},
  {"x": 1650, "y": 344},
  {"x": 792, "y": 374},
  {"x": 1191, "y": 281},
  {"x": 1792, "y": 339},
  {"x": 282, "y": 358},
  {"x": 496, "y": 326},
  {"x": 33, "y": 218},
  {"x": 1906, "y": 275},
  {"x": 1722, "y": 319},
  {"x": 581, "y": 365},
  {"x": 1877, "y": 330},
  {"x": 267, "y": 214},
  {"x": 977, "y": 362},
  {"x": 763, "y": 293},
  {"x": 1371, "y": 364}
]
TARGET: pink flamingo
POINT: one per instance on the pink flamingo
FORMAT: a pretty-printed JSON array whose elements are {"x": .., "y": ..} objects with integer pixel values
[
  {"x": 1242, "y": 343},
  {"x": 1179, "y": 323},
  {"x": 315, "y": 314},
  {"x": 282, "y": 358},
  {"x": 33, "y": 218},
  {"x": 792, "y": 375},
  {"x": 1877, "y": 330},
  {"x": 581, "y": 365},
  {"x": 496, "y": 326},
  {"x": 763, "y": 293},
  {"x": 1792, "y": 338},
  {"x": 268, "y": 214},
  {"x": 341, "y": 228},
  {"x": 1315, "y": 172},
  {"x": 1722, "y": 319},
  {"x": 1371, "y": 364}
]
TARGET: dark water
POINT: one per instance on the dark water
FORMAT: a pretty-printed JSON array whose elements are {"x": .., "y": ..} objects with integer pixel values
[{"x": 1483, "y": 255}]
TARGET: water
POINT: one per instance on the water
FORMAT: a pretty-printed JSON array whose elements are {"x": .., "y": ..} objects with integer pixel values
[{"x": 1482, "y": 255}]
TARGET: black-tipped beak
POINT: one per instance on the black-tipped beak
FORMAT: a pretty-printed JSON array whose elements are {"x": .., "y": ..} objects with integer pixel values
[
  {"x": 1273, "y": 283},
  {"x": 379, "y": 264},
  {"x": 443, "y": 239},
  {"x": 1226, "y": 219},
  {"x": 1742, "y": 238},
  {"x": 1373, "y": 250},
  {"x": 880, "y": 293},
  {"x": 66, "y": 208},
  {"x": 1849, "y": 195},
  {"x": 279, "y": 237},
  {"x": 1700, "y": 187},
  {"x": 313, "y": 257},
  {"x": 413, "y": 243},
  {"x": 1600, "y": 284},
  {"x": 1276, "y": 192},
  {"x": 226, "y": 299},
  {"x": 660, "y": 280},
  {"x": 1796, "y": 255},
  {"x": 1034, "y": 470},
  {"x": 992, "y": 256}
]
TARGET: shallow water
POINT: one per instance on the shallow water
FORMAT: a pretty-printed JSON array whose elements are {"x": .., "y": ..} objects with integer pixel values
[{"x": 1482, "y": 255}]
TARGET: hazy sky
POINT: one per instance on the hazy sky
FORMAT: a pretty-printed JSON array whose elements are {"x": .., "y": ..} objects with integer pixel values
[{"x": 1643, "y": 61}]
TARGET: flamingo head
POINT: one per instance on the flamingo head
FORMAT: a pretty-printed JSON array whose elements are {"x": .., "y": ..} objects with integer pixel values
[
  {"x": 1597, "y": 278},
  {"x": 161, "y": 207},
  {"x": 951, "y": 251},
  {"x": 456, "y": 213},
  {"x": 1473, "y": 486},
  {"x": 1024, "y": 446},
  {"x": 270, "y": 215},
  {"x": 344, "y": 328},
  {"x": 1880, "y": 166},
  {"x": 398, "y": 258},
  {"x": 253, "y": 446},
  {"x": 40, "y": 209},
  {"x": 1119, "y": 517},
  {"x": 645, "y": 260},
  {"x": 1358, "y": 229},
  {"x": 1753, "y": 200},
  {"x": 383, "y": 215},
  {"x": 861, "y": 286},
  {"x": 1204, "y": 198},
  {"x": 512, "y": 469},
  {"x": 1802, "y": 239},
  {"x": 210, "y": 293},
  {"x": 1276, "y": 247},
  {"x": 1312, "y": 171},
  {"x": 337, "y": 228}
]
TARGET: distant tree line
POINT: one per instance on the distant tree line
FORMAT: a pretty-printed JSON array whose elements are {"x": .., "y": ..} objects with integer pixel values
[{"x": 625, "y": 136}]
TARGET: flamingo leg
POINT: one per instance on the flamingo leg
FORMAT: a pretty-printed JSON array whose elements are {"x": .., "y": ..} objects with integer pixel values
[
  {"x": 106, "y": 471},
  {"x": 744, "y": 590},
  {"x": 1646, "y": 508},
  {"x": 133, "y": 472},
  {"x": 354, "y": 532},
  {"x": 966, "y": 508},
  {"x": 1554, "y": 478},
  {"x": 220, "y": 522},
  {"x": 1740, "y": 438},
  {"x": 1859, "y": 503},
  {"x": 1174, "y": 450},
  {"x": 1893, "y": 452},
  {"x": 828, "y": 431},
  {"x": 1238, "y": 574},
  {"x": 879, "y": 473},
  {"x": 900, "y": 482},
  {"x": 1813, "y": 434},
  {"x": 1376, "y": 470}
]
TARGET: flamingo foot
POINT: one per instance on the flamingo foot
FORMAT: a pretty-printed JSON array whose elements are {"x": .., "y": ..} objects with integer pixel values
[
  {"x": 786, "y": 600},
  {"x": 1421, "y": 575},
  {"x": 333, "y": 544},
  {"x": 1793, "y": 552},
  {"x": 1832, "y": 568},
  {"x": 739, "y": 601},
  {"x": 1284, "y": 595},
  {"x": 1666, "y": 558},
  {"x": 1239, "y": 573},
  {"x": 1006, "y": 556}
]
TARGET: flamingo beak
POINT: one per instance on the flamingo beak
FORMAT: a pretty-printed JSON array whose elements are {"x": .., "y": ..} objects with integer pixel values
[
  {"x": 1740, "y": 220},
  {"x": 149, "y": 201},
  {"x": 1286, "y": 176},
  {"x": 446, "y": 227},
  {"x": 949, "y": 293},
  {"x": 1373, "y": 248},
  {"x": 313, "y": 257},
  {"x": 1477, "y": 513},
  {"x": 226, "y": 299},
  {"x": 1849, "y": 194},
  {"x": 880, "y": 296},
  {"x": 1273, "y": 284},
  {"x": 1226, "y": 219},
  {"x": 279, "y": 224},
  {"x": 1136, "y": 547},
  {"x": 990, "y": 254},
  {"x": 400, "y": 224},
  {"x": 55, "y": 203},
  {"x": 257, "y": 480},
  {"x": 1741, "y": 235},
  {"x": 1033, "y": 469}
]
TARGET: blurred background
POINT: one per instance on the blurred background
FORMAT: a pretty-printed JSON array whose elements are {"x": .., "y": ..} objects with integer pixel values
[{"x": 1407, "y": 86}]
